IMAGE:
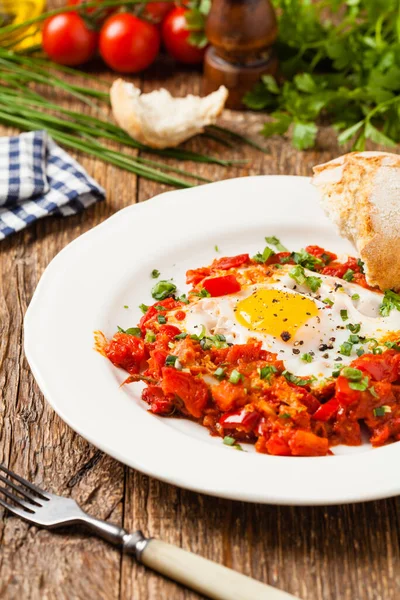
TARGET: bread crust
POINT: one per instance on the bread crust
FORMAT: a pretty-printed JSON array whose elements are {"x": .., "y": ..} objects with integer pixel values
[
  {"x": 360, "y": 192},
  {"x": 159, "y": 120}
]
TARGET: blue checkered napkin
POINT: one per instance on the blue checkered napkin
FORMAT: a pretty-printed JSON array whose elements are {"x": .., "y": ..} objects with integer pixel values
[{"x": 38, "y": 179}]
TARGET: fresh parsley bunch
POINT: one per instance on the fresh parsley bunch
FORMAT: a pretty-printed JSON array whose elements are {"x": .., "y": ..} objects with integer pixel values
[{"x": 341, "y": 64}]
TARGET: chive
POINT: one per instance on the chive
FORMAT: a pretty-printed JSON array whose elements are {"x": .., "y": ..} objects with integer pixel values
[
  {"x": 266, "y": 372},
  {"x": 203, "y": 293},
  {"x": 336, "y": 372},
  {"x": 126, "y": 306},
  {"x": 144, "y": 308},
  {"x": 393, "y": 345},
  {"x": 150, "y": 337},
  {"x": 328, "y": 301},
  {"x": 180, "y": 336},
  {"x": 354, "y": 339},
  {"x": 235, "y": 376},
  {"x": 183, "y": 298},
  {"x": 163, "y": 289},
  {"x": 360, "y": 264},
  {"x": 155, "y": 273},
  {"x": 219, "y": 373},
  {"x": 200, "y": 335},
  {"x": 349, "y": 275},
  {"x": 360, "y": 351},
  {"x": 379, "y": 411},
  {"x": 161, "y": 319},
  {"x": 159, "y": 307},
  {"x": 275, "y": 242},
  {"x": 135, "y": 331},
  {"x": 170, "y": 360},
  {"x": 355, "y": 297},
  {"x": 216, "y": 248},
  {"x": 285, "y": 416},
  {"x": 306, "y": 357},
  {"x": 377, "y": 350},
  {"x": 344, "y": 315}
]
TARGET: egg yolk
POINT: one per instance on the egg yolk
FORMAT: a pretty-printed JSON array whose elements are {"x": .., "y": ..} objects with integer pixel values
[{"x": 275, "y": 312}]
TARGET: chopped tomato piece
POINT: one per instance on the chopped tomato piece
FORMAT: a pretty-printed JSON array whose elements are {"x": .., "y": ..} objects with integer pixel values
[
  {"x": 327, "y": 411},
  {"x": 126, "y": 351},
  {"x": 245, "y": 352},
  {"x": 194, "y": 276},
  {"x": 243, "y": 419},
  {"x": 344, "y": 394},
  {"x": 228, "y": 396},
  {"x": 280, "y": 258},
  {"x": 159, "y": 404},
  {"x": 150, "y": 316},
  {"x": 230, "y": 262},
  {"x": 191, "y": 390},
  {"x": 380, "y": 366},
  {"x": 305, "y": 443},
  {"x": 156, "y": 362},
  {"x": 319, "y": 252},
  {"x": 180, "y": 315},
  {"x": 278, "y": 445},
  {"x": 219, "y": 286}
]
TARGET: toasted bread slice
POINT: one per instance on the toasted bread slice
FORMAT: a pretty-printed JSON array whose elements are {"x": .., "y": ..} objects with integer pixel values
[
  {"x": 360, "y": 192},
  {"x": 159, "y": 120}
]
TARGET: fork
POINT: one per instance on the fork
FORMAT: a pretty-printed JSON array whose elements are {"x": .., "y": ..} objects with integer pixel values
[{"x": 211, "y": 579}]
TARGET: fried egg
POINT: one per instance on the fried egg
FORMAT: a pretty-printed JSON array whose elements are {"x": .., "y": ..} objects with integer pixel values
[{"x": 313, "y": 332}]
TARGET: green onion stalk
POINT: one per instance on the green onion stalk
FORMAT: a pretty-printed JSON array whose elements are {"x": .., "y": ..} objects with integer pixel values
[{"x": 22, "y": 105}]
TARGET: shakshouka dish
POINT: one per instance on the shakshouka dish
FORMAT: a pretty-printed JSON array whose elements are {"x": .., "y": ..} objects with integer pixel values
[{"x": 291, "y": 351}]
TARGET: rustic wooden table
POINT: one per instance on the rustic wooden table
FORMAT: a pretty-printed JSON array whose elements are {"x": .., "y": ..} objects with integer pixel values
[{"x": 333, "y": 553}]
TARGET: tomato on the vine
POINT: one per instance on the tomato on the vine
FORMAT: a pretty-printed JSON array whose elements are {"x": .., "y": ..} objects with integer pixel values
[
  {"x": 128, "y": 44},
  {"x": 67, "y": 39},
  {"x": 155, "y": 12},
  {"x": 175, "y": 34},
  {"x": 105, "y": 13}
]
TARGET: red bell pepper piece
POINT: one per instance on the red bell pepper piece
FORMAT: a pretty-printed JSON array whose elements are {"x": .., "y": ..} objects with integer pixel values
[
  {"x": 245, "y": 419},
  {"x": 230, "y": 262},
  {"x": 191, "y": 390},
  {"x": 326, "y": 411},
  {"x": 220, "y": 286}
]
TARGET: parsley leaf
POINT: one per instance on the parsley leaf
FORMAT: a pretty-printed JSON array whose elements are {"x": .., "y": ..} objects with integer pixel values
[
  {"x": 391, "y": 300},
  {"x": 163, "y": 289}
]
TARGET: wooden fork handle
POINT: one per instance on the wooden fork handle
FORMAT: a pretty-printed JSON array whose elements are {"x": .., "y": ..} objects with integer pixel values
[{"x": 205, "y": 576}]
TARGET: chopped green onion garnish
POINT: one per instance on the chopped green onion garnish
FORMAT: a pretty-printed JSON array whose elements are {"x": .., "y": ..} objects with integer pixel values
[
  {"x": 150, "y": 337},
  {"x": 216, "y": 248},
  {"x": 155, "y": 273},
  {"x": 349, "y": 275},
  {"x": 180, "y": 336},
  {"x": 360, "y": 351},
  {"x": 294, "y": 379},
  {"x": 230, "y": 441},
  {"x": 346, "y": 349},
  {"x": 235, "y": 376},
  {"x": 360, "y": 264},
  {"x": 219, "y": 373},
  {"x": 393, "y": 345},
  {"x": 306, "y": 357},
  {"x": 372, "y": 391},
  {"x": 161, "y": 319},
  {"x": 170, "y": 360},
  {"x": 203, "y": 293},
  {"x": 354, "y": 339},
  {"x": 199, "y": 336},
  {"x": 360, "y": 386},
  {"x": 163, "y": 289},
  {"x": 285, "y": 416},
  {"x": 336, "y": 372},
  {"x": 126, "y": 306},
  {"x": 344, "y": 315},
  {"x": 380, "y": 411},
  {"x": 144, "y": 308},
  {"x": 352, "y": 374},
  {"x": 354, "y": 328},
  {"x": 183, "y": 298},
  {"x": 266, "y": 372},
  {"x": 328, "y": 301},
  {"x": 135, "y": 331},
  {"x": 307, "y": 260},
  {"x": 355, "y": 297},
  {"x": 377, "y": 350}
]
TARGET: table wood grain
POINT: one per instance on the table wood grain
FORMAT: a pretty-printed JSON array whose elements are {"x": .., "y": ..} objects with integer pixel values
[{"x": 321, "y": 553}]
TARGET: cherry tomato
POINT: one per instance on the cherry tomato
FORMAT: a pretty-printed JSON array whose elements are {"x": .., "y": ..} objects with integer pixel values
[
  {"x": 155, "y": 12},
  {"x": 219, "y": 286},
  {"x": 175, "y": 36},
  {"x": 128, "y": 44},
  {"x": 68, "y": 40},
  {"x": 230, "y": 262}
]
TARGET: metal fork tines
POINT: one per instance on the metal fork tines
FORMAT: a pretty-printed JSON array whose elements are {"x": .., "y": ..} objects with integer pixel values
[{"x": 24, "y": 499}]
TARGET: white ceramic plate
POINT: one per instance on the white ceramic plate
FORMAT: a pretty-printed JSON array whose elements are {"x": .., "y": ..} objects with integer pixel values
[{"x": 86, "y": 288}]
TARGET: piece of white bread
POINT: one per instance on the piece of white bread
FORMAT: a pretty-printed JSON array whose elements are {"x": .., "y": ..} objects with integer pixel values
[
  {"x": 360, "y": 192},
  {"x": 159, "y": 120}
]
